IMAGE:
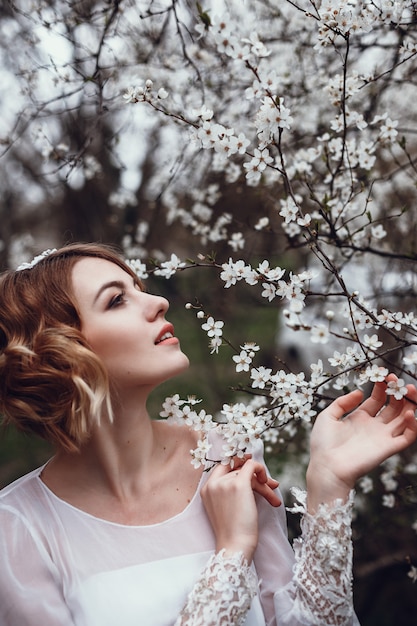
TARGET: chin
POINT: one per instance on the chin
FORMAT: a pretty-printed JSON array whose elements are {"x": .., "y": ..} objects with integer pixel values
[
  {"x": 180, "y": 367},
  {"x": 183, "y": 366}
]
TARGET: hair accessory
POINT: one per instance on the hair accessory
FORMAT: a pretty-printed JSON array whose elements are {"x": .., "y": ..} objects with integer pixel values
[{"x": 35, "y": 261}]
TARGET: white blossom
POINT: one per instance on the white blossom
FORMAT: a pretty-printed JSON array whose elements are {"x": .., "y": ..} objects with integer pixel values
[
  {"x": 272, "y": 273},
  {"x": 289, "y": 210},
  {"x": 269, "y": 291},
  {"x": 242, "y": 360},
  {"x": 397, "y": 388},
  {"x": 212, "y": 327},
  {"x": 162, "y": 93},
  {"x": 374, "y": 373},
  {"x": 378, "y": 232},
  {"x": 170, "y": 406},
  {"x": 237, "y": 241},
  {"x": 251, "y": 347},
  {"x": 258, "y": 163},
  {"x": 199, "y": 454},
  {"x": 169, "y": 268},
  {"x": 412, "y": 573},
  {"x": 372, "y": 342},
  {"x": 366, "y": 484},
  {"x": 262, "y": 223},
  {"x": 388, "y": 500},
  {"x": 411, "y": 358},
  {"x": 234, "y": 271},
  {"x": 261, "y": 376},
  {"x": 388, "y": 480},
  {"x": 319, "y": 333},
  {"x": 214, "y": 344},
  {"x": 138, "y": 267}
]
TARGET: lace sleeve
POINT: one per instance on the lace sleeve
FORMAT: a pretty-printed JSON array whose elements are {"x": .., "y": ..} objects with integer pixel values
[
  {"x": 321, "y": 589},
  {"x": 223, "y": 594}
]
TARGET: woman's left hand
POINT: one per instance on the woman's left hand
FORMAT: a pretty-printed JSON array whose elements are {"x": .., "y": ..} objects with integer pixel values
[{"x": 345, "y": 448}]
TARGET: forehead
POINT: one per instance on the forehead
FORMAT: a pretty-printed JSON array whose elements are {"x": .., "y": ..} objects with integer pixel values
[{"x": 89, "y": 274}]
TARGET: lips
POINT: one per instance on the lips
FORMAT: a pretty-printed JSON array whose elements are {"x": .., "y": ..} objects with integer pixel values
[{"x": 167, "y": 332}]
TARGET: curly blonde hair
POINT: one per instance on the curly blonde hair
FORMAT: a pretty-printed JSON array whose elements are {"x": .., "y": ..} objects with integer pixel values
[{"x": 51, "y": 382}]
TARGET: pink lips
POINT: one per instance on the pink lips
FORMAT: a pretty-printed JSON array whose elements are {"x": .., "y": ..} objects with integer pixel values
[
  {"x": 166, "y": 335},
  {"x": 169, "y": 341}
]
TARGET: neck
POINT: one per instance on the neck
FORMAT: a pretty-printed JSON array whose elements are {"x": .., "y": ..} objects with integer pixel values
[
  {"x": 132, "y": 471},
  {"x": 119, "y": 457}
]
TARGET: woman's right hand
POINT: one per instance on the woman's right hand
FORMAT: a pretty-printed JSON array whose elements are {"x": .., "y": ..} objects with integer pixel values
[{"x": 228, "y": 497}]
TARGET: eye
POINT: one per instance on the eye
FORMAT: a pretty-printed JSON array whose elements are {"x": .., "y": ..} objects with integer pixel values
[{"x": 117, "y": 300}]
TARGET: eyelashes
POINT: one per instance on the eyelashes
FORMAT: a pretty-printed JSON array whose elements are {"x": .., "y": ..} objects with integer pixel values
[
  {"x": 117, "y": 300},
  {"x": 120, "y": 297}
]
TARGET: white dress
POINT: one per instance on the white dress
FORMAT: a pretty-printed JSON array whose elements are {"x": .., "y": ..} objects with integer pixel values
[{"x": 60, "y": 566}]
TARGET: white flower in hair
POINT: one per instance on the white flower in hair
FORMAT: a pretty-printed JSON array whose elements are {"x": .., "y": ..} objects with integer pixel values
[{"x": 35, "y": 260}]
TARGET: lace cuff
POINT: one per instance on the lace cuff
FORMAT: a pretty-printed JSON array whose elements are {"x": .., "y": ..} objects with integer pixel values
[
  {"x": 223, "y": 594},
  {"x": 323, "y": 563}
]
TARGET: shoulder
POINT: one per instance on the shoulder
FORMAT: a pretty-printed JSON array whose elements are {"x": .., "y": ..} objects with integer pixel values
[
  {"x": 20, "y": 498},
  {"x": 19, "y": 485}
]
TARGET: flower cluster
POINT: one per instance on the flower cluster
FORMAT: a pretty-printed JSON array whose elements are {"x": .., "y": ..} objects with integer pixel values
[
  {"x": 240, "y": 426},
  {"x": 138, "y": 267},
  {"x": 343, "y": 17},
  {"x": 39, "y": 257},
  {"x": 169, "y": 268},
  {"x": 144, "y": 93},
  {"x": 293, "y": 290},
  {"x": 214, "y": 330}
]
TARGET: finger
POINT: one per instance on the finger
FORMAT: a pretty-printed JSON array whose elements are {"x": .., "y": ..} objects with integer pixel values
[
  {"x": 264, "y": 490},
  {"x": 377, "y": 399},
  {"x": 404, "y": 424},
  {"x": 344, "y": 404},
  {"x": 254, "y": 468},
  {"x": 261, "y": 482},
  {"x": 271, "y": 482},
  {"x": 410, "y": 433},
  {"x": 397, "y": 407},
  {"x": 219, "y": 470},
  {"x": 403, "y": 433},
  {"x": 411, "y": 396},
  {"x": 236, "y": 462}
]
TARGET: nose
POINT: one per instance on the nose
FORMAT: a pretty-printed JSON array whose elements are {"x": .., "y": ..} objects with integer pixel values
[{"x": 157, "y": 306}]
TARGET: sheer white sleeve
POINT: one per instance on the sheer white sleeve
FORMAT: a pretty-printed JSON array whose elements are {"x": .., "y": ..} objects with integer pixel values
[
  {"x": 30, "y": 587},
  {"x": 223, "y": 594},
  {"x": 321, "y": 589}
]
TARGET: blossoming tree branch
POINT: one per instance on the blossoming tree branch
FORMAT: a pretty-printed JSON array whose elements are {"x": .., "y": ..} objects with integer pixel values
[
  {"x": 304, "y": 107},
  {"x": 328, "y": 186}
]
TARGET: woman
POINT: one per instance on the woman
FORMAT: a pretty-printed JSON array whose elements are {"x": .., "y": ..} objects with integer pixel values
[{"x": 118, "y": 527}]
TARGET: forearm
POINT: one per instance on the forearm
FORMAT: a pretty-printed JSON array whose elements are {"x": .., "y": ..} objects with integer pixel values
[
  {"x": 223, "y": 594},
  {"x": 320, "y": 592}
]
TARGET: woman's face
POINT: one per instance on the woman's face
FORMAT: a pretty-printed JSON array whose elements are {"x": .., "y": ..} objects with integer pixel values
[{"x": 125, "y": 326}]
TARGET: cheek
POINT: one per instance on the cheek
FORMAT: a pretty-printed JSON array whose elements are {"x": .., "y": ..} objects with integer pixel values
[{"x": 106, "y": 342}]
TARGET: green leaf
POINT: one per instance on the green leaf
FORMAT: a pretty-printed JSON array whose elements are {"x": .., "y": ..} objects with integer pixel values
[{"x": 204, "y": 16}]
